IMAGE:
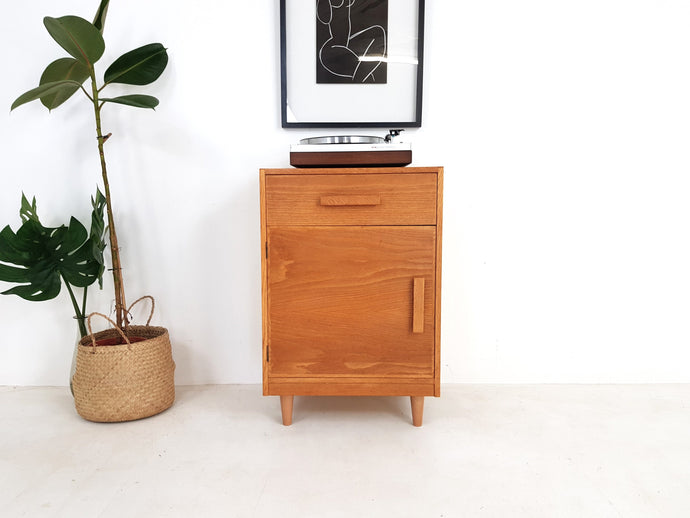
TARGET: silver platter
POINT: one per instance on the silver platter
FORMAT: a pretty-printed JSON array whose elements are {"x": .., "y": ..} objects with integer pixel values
[{"x": 343, "y": 139}]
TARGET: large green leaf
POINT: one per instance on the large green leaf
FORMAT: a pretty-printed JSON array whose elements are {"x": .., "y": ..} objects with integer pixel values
[
  {"x": 47, "y": 289},
  {"x": 28, "y": 210},
  {"x": 99, "y": 19},
  {"x": 9, "y": 253},
  {"x": 63, "y": 69},
  {"x": 75, "y": 236},
  {"x": 45, "y": 90},
  {"x": 140, "y": 66},
  {"x": 136, "y": 100},
  {"x": 38, "y": 257},
  {"x": 78, "y": 267},
  {"x": 78, "y": 37},
  {"x": 13, "y": 273},
  {"x": 29, "y": 249},
  {"x": 97, "y": 233}
]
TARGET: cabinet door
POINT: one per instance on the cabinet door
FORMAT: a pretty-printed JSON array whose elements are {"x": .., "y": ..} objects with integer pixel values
[{"x": 351, "y": 301}]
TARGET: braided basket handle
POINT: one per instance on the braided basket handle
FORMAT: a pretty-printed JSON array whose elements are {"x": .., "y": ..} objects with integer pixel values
[
  {"x": 153, "y": 306},
  {"x": 93, "y": 338}
]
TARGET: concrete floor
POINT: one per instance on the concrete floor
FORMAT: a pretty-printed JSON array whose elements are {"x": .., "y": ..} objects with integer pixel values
[{"x": 488, "y": 451}]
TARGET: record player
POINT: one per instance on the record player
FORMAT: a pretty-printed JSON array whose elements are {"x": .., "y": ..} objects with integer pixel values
[{"x": 351, "y": 150}]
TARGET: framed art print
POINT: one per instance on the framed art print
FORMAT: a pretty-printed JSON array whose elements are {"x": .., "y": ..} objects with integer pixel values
[{"x": 351, "y": 63}]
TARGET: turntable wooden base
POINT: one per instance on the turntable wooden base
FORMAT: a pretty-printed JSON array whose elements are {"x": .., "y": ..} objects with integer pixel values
[{"x": 350, "y": 158}]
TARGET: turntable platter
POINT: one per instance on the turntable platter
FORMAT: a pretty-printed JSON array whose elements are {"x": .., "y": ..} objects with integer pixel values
[{"x": 343, "y": 139}]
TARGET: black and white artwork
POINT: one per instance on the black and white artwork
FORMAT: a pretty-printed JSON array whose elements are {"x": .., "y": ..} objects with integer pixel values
[{"x": 351, "y": 41}]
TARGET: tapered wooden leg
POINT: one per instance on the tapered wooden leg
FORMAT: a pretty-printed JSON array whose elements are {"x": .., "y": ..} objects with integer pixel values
[
  {"x": 286, "y": 409},
  {"x": 417, "y": 403}
]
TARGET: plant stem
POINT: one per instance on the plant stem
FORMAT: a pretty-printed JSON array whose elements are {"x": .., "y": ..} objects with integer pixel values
[
  {"x": 79, "y": 315},
  {"x": 83, "y": 303},
  {"x": 120, "y": 303}
]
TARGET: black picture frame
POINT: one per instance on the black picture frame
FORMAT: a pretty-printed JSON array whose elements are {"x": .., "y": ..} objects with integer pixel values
[{"x": 308, "y": 104}]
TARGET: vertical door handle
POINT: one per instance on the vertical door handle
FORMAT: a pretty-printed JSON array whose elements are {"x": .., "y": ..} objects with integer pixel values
[{"x": 418, "y": 305}]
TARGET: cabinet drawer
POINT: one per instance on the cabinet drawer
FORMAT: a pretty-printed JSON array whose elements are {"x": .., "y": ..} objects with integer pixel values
[{"x": 333, "y": 199}]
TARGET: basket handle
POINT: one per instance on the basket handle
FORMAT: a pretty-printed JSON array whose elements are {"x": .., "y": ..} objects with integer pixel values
[
  {"x": 93, "y": 338},
  {"x": 153, "y": 306}
]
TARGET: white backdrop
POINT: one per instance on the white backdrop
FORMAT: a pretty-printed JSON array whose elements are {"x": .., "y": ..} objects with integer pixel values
[{"x": 564, "y": 128}]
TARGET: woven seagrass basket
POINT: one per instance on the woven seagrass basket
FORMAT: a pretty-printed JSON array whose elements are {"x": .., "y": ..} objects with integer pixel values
[{"x": 115, "y": 383}]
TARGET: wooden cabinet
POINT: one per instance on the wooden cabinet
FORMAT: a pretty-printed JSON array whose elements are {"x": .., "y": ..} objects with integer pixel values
[{"x": 351, "y": 283}]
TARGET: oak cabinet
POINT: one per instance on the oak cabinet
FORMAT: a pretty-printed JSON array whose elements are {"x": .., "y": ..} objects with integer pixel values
[{"x": 351, "y": 278}]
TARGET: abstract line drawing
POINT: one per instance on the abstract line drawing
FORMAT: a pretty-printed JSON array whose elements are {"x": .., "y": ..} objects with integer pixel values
[{"x": 351, "y": 41}]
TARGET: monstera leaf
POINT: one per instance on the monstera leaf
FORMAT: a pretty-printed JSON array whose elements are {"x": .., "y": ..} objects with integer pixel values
[
  {"x": 97, "y": 233},
  {"x": 38, "y": 258}
]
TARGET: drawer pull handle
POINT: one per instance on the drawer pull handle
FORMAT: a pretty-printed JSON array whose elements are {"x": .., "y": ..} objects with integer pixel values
[
  {"x": 418, "y": 305},
  {"x": 351, "y": 200}
]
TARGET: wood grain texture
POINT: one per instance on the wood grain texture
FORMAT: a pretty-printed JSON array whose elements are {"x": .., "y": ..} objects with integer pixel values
[
  {"x": 351, "y": 171},
  {"x": 437, "y": 304},
  {"x": 286, "y": 403},
  {"x": 356, "y": 386},
  {"x": 341, "y": 300},
  {"x": 418, "y": 305},
  {"x": 405, "y": 199},
  {"x": 417, "y": 404},
  {"x": 351, "y": 200},
  {"x": 264, "y": 280},
  {"x": 345, "y": 158},
  {"x": 338, "y": 281}
]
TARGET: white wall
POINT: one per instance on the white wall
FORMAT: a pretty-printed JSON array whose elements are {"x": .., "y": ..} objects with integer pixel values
[{"x": 563, "y": 126}]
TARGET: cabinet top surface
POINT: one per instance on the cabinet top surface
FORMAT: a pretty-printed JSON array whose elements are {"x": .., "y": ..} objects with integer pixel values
[{"x": 352, "y": 170}]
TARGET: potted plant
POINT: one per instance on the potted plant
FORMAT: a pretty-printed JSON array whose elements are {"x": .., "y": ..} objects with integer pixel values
[{"x": 109, "y": 374}]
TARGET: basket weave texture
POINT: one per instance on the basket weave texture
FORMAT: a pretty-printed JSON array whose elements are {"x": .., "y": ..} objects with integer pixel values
[{"x": 125, "y": 382}]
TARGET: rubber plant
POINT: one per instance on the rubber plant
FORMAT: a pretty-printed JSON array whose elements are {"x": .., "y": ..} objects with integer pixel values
[
  {"x": 83, "y": 41},
  {"x": 40, "y": 259}
]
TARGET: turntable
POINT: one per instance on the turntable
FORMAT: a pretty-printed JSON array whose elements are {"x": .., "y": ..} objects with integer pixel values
[{"x": 351, "y": 150}]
